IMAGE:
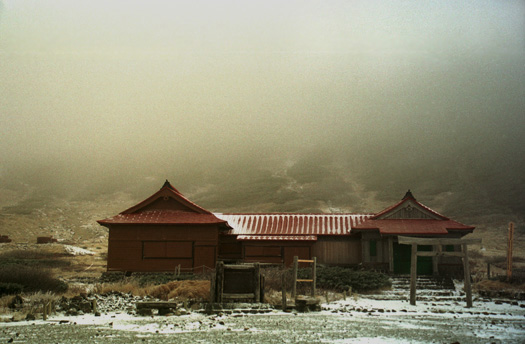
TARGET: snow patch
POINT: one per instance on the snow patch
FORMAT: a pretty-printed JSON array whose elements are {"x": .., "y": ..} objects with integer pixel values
[{"x": 77, "y": 251}]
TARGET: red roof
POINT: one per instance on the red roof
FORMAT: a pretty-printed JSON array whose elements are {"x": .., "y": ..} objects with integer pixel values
[
  {"x": 164, "y": 217},
  {"x": 435, "y": 224},
  {"x": 292, "y": 224},
  {"x": 277, "y": 237},
  {"x": 151, "y": 212},
  {"x": 413, "y": 226}
]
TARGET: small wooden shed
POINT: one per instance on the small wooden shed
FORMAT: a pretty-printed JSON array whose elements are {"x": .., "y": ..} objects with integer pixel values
[{"x": 163, "y": 232}]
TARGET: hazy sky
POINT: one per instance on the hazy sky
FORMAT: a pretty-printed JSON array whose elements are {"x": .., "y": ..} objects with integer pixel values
[{"x": 271, "y": 105}]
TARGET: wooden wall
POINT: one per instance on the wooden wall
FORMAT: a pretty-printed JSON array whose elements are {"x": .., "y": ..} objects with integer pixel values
[
  {"x": 337, "y": 251},
  {"x": 276, "y": 252},
  {"x": 161, "y": 248}
]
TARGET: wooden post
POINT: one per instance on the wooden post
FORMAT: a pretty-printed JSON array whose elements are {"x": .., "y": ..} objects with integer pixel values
[
  {"x": 314, "y": 276},
  {"x": 212, "y": 288},
  {"x": 220, "y": 281},
  {"x": 283, "y": 291},
  {"x": 466, "y": 268},
  {"x": 44, "y": 311},
  {"x": 94, "y": 305},
  {"x": 435, "y": 259},
  {"x": 257, "y": 283},
  {"x": 295, "y": 267},
  {"x": 391, "y": 255},
  {"x": 510, "y": 243},
  {"x": 413, "y": 275}
]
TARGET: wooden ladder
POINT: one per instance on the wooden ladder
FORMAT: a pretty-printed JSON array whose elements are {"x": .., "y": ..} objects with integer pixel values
[{"x": 313, "y": 278}]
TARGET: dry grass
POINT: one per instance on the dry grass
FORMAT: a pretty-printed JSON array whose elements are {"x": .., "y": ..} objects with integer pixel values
[
  {"x": 186, "y": 290},
  {"x": 494, "y": 285},
  {"x": 33, "y": 303},
  {"x": 183, "y": 290}
]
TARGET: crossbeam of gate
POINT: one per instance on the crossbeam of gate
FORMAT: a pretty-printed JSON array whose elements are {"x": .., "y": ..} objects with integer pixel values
[{"x": 436, "y": 244}]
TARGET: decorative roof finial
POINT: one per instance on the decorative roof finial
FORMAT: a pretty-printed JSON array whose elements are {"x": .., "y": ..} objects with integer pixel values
[
  {"x": 409, "y": 195},
  {"x": 166, "y": 183}
]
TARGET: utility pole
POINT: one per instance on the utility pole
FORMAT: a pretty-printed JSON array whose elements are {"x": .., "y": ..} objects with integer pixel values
[{"x": 509, "y": 250}]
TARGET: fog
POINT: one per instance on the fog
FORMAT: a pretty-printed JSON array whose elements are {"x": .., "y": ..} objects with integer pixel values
[{"x": 267, "y": 105}]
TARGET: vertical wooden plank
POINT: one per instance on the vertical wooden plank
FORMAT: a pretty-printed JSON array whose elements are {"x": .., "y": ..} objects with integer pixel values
[
  {"x": 413, "y": 275},
  {"x": 283, "y": 291},
  {"x": 466, "y": 268},
  {"x": 294, "y": 285},
  {"x": 314, "y": 276},
  {"x": 391, "y": 254},
  {"x": 257, "y": 282}
]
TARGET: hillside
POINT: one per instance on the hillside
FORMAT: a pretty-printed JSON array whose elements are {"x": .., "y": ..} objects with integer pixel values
[{"x": 25, "y": 217}]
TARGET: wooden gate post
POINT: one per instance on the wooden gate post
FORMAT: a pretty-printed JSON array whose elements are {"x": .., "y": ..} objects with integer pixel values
[
  {"x": 435, "y": 259},
  {"x": 314, "y": 276},
  {"x": 257, "y": 283},
  {"x": 466, "y": 269},
  {"x": 219, "y": 282},
  {"x": 283, "y": 291},
  {"x": 413, "y": 275},
  {"x": 295, "y": 267}
]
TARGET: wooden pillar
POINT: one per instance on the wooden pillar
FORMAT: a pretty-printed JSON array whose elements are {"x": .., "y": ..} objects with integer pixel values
[
  {"x": 283, "y": 291},
  {"x": 391, "y": 255},
  {"x": 435, "y": 259},
  {"x": 295, "y": 267},
  {"x": 219, "y": 281},
  {"x": 314, "y": 276},
  {"x": 257, "y": 282},
  {"x": 213, "y": 288},
  {"x": 413, "y": 275},
  {"x": 466, "y": 269},
  {"x": 365, "y": 250}
]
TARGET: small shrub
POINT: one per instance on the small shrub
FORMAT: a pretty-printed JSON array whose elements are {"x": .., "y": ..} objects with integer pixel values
[
  {"x": 33, "y": 258},
  {"x": 342, "y": 279},
  {"x": 186, "y": 290},
  {"x": 32, "y": 279},
  {"x": 10, "y": 288}
]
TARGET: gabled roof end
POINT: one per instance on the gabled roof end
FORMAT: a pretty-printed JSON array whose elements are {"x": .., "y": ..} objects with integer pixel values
[{"x": 409, "y": 195}]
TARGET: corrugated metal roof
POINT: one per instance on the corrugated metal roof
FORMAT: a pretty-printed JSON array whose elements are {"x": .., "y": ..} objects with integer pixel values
[
  {"x": 277, "y": 237},
  {"x": 292, "y": 224}
]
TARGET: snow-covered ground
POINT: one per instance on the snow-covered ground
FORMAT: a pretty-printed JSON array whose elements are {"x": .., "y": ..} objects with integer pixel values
[
  {"x": 359, "y": 320},
  {"x": 77, "y": 251}
]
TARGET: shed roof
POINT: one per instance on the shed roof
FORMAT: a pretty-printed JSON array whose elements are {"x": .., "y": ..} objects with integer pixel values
[{"x": 292, "y": 224}]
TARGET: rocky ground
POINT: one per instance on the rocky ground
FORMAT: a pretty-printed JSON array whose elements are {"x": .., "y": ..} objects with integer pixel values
[{"x": 360, "y": 319}]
